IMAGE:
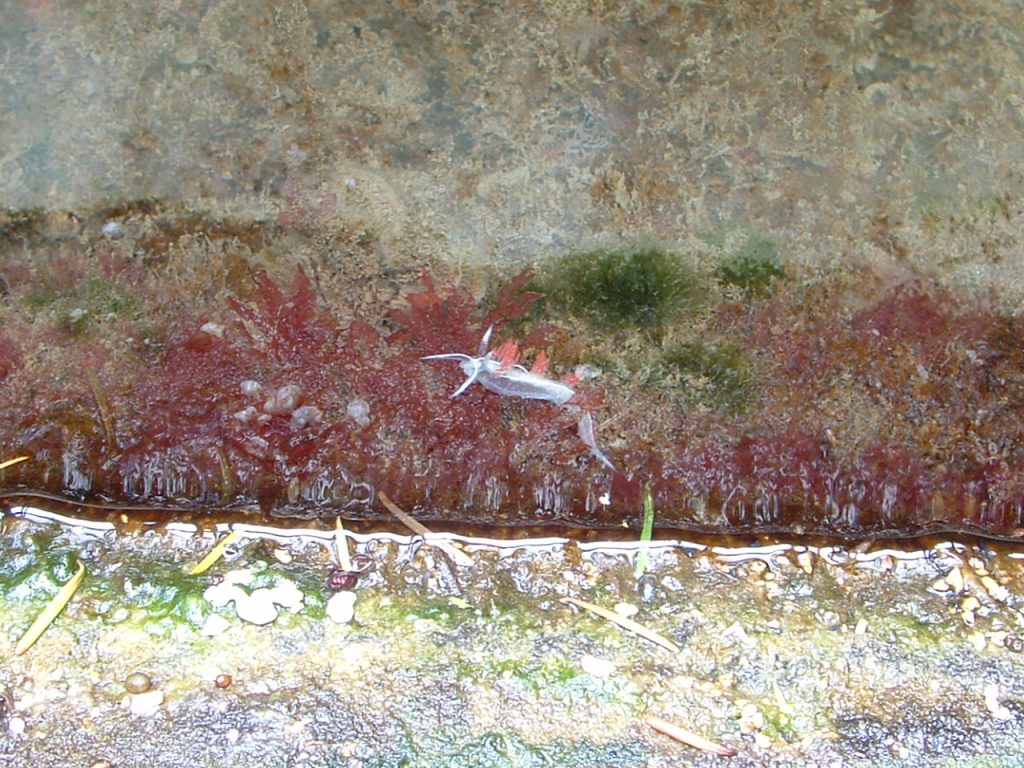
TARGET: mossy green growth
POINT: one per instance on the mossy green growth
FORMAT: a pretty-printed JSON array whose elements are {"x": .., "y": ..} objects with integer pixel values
[
  {"x": 92, "y": 300},
  {"x": 536, "y": 674},
  {"x": 753, "y": 266},
  {"x": 714, "y": 373},
  {"x": 622, "y": 288}
]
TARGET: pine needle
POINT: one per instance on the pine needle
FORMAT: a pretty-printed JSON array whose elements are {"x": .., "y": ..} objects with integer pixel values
[
  {"x": 12, "y": 462},
  {"x": 50, "y": 612},
  {"x": 689, "y": 738},
  {"x": 622, "y": 621},
  {"x": 215, "y": 554},
  {"x": 341, "y": 545},
  {"x": 645, "y": 535},
  {"x": 408, "y": 520},
  {"x": 457, "y": 555}
]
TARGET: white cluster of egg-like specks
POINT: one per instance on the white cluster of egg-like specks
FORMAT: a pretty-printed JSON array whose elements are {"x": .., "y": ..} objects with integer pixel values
[{"x": 283, "y": 401}]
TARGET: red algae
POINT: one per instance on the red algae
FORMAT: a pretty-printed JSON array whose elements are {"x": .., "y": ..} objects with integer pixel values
[{"x": 902, "y": 418}]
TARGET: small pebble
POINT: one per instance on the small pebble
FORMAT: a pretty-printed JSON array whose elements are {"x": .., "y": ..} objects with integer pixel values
[
  {"x": 283, "y": 401},
  {"x": 995, "y": 589},
  {"x": 359, "y": 411},
  {"x": 305, "y": 415},
  {"x": 341, "y": 607},
  {"x": 751, "y": 719},
  {"x": 220, "y": 595},
  {"x": 955, "y": 580},
  {"x": 245, "y": 415},
  {"x": 223, "y": 681},
  {"x": 112, "y": 229},
  {"x": 806, "y": 562},
  {"x": 286, "y": 595},
  {"x": 1014, "y": 643},
  {"x": 138, "y": 682},
  {"x": 596, "y": 667},
  {"x": 16, "y": 726},
  {"x": 997, "y": 710},
  {"x": 257, "y": 608},
  {"x": 145, "y": 704}
]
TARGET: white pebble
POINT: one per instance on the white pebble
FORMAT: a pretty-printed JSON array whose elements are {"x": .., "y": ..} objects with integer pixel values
[
  {"x": 214, "y": 329},
  {"x": 250, "y": 387},
  {"x": 305, "y": 415},
  {"x": 112, "y": 229},
  {"x": 16, "y": 726},
  {"x": 359, "y": 412},
  {"x": 283, "y": 401},
  {"x": 596, "y": 667},
  {"x": 257, "y": 608},
  {"x": 287, "y": 595},
  {"x": 341, "y": 607},
  {"x": 219, "y": 595},
  {"x": 997, "y": 710},
  {"x": 145, "y": 704},
  {"x": 247, "y": 414}
]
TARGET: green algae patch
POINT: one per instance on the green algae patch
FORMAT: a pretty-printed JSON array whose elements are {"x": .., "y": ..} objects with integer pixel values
[
  {"x": 623, "y": 288},
  {"x": 752, "y": 267},
  {"x": 714, "y": 374},
  {"x": 90, "y": 301}
]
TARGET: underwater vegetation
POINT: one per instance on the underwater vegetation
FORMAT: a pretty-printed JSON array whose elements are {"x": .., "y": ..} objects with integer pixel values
[
  {"x": 622, "y": 287},
  {"x": 232, "y": 388},
  {"x": 713, "y": 373},
  {"x": 753, "y": 266}
]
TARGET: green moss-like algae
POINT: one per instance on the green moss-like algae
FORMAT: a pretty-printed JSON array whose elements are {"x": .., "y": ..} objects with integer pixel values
[
  {"x": 711, "y": 373},
  {"x": 622, "y": 288},
  {"x": 753, "y": 266}
]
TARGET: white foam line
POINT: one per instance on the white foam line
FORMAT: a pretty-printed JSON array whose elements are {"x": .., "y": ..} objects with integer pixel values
[
  {"x": 895, "y": 554},
  {"x": 44, "y": 516},
  {"x": 768, "y": 553},
  {"x": 327, "y": 537},
  {"x": 633, "y": 546},
  {"x": 283, "y": 534}
]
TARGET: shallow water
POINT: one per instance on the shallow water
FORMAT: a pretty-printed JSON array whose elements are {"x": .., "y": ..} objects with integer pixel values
[
  {"x": 787, "y": 652},
  {"x": 157, "y": 162}
]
